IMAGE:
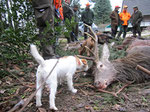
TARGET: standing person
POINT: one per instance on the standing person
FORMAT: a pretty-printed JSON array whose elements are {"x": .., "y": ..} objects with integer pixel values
[
  {"x": 44, "y": 12},
  {"x": 68, "y": 13},
  {"x": 87, "y": 17},
  {"x": 136, "y": 19},
  {"x": 75, "y": 29},
  {"x": 124, "y": 21},
  {"x": 115, "y": 19}
]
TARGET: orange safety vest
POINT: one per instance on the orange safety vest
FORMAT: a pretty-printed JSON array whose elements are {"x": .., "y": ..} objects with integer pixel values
[
  {"x": 125, "y": 16},
  {"x": 58, "y": 6}
]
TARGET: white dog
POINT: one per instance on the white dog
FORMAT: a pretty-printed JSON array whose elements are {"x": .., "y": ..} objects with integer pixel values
[{"x": 65, "y": 68}]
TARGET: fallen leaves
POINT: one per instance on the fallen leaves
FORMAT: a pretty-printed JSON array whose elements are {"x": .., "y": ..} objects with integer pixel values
[
  {"x": 41, "y": 110},
  {"x": 88, "y": 107}
]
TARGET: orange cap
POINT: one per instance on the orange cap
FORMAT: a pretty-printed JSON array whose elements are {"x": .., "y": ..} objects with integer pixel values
[{"x": 88, "y": 4}]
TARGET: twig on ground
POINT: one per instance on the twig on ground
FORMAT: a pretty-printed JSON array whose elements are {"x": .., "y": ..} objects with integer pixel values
[
  {"x": 113, "y": 93},
  {"x": 23, "y": 83},
  {"x": 122, "y": 88},
  {"x": 89, "y": 85},
  {"x": 85, "y": 93},
  {"x": 143, "y": 69},
  {"x": 77, "y": 77},
  {"x": 126, "y": 97},
  {"x": 18, "y": 105},
  {"x": 18, "y": 79},
  {"x": 11, "y": 96},
  {"x": 81, "y": 84}
]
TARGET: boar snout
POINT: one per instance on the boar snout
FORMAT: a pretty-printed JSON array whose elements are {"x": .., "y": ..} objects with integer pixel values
[{"x": 101, "y": 85}]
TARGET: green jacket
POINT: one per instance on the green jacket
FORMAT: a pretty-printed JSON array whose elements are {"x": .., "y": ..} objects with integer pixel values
[
  {"x": 114, "y": 16},
  {"x": 87, "y": 16},
  {"x": 136, "y": 18}
]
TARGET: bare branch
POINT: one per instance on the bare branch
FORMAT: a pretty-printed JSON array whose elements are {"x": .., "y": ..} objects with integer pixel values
[
  {"x": 85, "y": 57},
  {"x": 113, "y": 93}
]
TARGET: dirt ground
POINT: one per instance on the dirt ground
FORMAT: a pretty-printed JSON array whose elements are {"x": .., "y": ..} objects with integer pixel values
[{"x": 20, "y": 84}]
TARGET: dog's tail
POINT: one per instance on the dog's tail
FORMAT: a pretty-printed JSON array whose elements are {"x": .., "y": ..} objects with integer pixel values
[{"x": 36, "y": 55}]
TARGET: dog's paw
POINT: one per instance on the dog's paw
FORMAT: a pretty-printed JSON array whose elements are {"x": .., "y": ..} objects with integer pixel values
[
  {"x": 53, "y": 108},
  {"x": 74, "y": 91}
]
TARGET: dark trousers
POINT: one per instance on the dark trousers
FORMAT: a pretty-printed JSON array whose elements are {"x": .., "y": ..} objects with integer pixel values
[
  {"x": 85, "y": 30},
  {"x": 114, "y": 30},
  {"x": 136, "y": 29},
  {"x": 47, "y": 46},
  {"x": 123, "y": 29}
]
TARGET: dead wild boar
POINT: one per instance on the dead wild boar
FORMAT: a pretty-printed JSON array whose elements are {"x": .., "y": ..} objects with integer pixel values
[
  {"x": 138, "y": 42},
  {"x": 123, "y": 70}
]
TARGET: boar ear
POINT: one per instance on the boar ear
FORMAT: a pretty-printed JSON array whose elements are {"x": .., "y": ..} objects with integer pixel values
[{"x": 105, "y": 53}]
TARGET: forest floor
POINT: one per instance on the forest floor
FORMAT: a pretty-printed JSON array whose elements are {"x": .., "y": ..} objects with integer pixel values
[
  {"x": 20, "y": 84},
  {"x": 134, "y": 98}
]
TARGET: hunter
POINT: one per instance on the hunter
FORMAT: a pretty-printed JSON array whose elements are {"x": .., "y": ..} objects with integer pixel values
[
  {"x": 114, "y": 16},
  {"x": 124, "y": 21},
  {"x": 44, "y": 12},
  {"x": 136, "y": 19},
  {"x": 87, "y": 17}
]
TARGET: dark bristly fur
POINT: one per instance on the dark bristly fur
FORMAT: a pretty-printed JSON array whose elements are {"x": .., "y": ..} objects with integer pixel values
[{"x": 126, "y": 68}]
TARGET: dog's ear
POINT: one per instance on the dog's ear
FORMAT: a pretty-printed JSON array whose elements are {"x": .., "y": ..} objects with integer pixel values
[{"x": 84, "y": 61}]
